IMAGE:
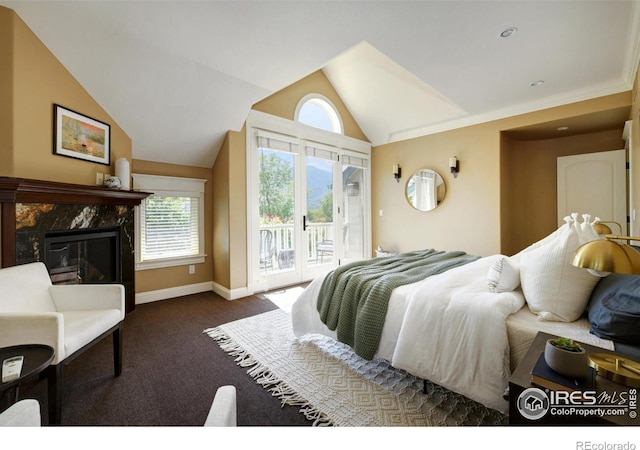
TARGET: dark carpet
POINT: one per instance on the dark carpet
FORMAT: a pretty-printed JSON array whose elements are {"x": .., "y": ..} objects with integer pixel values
[{"x": 171, "y": 371}]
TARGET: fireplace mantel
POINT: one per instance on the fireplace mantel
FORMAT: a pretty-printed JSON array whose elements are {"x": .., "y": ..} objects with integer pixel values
[
  {"x": 21, "y": 190},
  {"x": 31, "y": 208}
]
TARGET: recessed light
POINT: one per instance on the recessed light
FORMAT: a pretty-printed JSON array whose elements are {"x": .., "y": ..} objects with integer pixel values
[
  {"x": 536, "y": 83},
  {"x": 562, "y": 128},
  {"x": 509, "y": 32}
]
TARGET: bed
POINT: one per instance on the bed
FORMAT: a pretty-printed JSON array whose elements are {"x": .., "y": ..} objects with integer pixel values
[{"x": 468, "y": 326}]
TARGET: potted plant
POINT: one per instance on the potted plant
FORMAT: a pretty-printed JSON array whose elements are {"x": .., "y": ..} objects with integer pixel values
[{"x": 566, "y": 357}]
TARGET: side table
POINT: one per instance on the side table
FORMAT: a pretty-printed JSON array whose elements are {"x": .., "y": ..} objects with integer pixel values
[
  {"x": 610, "y": 403},
  {"x": 36, "y": 359}
]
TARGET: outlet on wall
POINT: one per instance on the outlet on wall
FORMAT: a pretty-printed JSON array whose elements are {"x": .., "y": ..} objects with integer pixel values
[
  {"x": 192, "y": 269},
  {"x": 99, "y": 179}
]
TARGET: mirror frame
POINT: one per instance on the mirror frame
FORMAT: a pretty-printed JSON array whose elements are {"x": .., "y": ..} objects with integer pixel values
[{"x": 441, "y": 190}]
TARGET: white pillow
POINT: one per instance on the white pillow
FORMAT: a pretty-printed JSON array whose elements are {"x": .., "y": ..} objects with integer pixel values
[
  {"x": 503, "y": 276},
  {"x": 553, "y": 288}
]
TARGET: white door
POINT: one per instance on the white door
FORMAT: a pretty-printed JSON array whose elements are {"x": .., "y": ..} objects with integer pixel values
[
  {"x": 308, "y": 202},
  {"x": 596, "y": 184}
]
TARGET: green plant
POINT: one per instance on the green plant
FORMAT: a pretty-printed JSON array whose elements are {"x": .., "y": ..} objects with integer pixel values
[{"x": 566, "y": 344}]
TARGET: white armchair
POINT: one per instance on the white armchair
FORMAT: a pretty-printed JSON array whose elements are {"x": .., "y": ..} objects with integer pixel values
[
  {"x": 25, "y": 413},
  {"x": 223, "y": 412},
  {"x": 69, "y": 318}
]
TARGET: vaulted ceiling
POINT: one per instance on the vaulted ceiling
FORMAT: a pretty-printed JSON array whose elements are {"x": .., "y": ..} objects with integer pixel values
[{"x": 177, "y": 75}]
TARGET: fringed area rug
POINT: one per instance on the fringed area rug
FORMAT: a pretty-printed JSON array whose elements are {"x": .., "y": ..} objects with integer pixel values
[{"x": 334, "y": 386}]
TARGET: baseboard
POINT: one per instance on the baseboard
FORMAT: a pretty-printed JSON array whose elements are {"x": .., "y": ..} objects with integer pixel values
[
  {"x": 178, "y": 291},
  {"x": 228, "y": 294}
]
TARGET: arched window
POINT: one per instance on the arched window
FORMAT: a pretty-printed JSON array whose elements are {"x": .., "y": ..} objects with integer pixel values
[{"x": 318, "y": 111}]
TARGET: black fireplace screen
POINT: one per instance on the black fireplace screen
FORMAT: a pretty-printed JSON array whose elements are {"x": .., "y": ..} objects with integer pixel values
[{"x": 83, "y": 256}]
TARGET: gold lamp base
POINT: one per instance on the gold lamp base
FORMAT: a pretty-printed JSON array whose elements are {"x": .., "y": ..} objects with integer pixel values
[{"x": 615, "y": 368}]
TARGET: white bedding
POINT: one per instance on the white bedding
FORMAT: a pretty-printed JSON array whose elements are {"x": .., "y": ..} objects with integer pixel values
[{"x": 450, "y": 329}]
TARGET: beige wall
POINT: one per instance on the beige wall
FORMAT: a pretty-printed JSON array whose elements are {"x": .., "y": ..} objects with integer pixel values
[
  {"x": 156, "y": 279},
  {"x": 229, "y": 173},
  {"x": 530, "y": 195},
  {"x": 482, "y": 211},
  {"x": 32, "y": 80},
  {"x": 284, "y": 102},
  {"x": 468, "y": 217},
  {"x": 635, "y": 152},
  {"x": 7, "y": 19}
]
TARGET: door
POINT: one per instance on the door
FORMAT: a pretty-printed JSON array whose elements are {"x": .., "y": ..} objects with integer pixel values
[
  {"x": 596, "y": 184},
  {"x": 308, "y": 208}
]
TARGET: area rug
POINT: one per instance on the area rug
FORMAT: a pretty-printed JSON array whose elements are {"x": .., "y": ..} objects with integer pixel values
[{"x": 333, "y": 386}]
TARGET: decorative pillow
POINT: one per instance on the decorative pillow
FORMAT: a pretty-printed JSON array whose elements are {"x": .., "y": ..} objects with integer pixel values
[
  {"x": 503, "y": 276},
  {"x": 614, "y": 308},
  {"x": 554, "y": 289}
]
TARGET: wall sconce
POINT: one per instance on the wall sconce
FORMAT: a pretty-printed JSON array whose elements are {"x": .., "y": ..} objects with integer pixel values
[
  {"x": 397, "y": 172},
  {"x": 454, "y": 166}
]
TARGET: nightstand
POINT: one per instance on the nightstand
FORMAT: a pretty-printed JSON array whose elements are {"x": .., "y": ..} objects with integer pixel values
[{"x": 609, "y": 403}]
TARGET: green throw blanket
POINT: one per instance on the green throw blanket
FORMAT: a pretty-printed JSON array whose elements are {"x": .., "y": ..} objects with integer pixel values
[{"x": 354, "y": 298}]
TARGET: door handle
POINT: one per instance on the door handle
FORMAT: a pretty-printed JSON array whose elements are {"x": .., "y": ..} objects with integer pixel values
[{"x": 304, "y": 223}]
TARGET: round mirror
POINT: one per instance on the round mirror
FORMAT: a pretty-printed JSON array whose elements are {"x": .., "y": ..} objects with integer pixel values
[{"x": 425, "y": 190}]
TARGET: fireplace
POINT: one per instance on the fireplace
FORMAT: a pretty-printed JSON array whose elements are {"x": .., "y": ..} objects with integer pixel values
[
  {"x": 83, "y": 256},
  {"x": 83, "y": 234}
]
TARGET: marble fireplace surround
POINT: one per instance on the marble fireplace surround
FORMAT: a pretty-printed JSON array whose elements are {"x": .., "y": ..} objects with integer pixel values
[{"x": 32, "y": 208}]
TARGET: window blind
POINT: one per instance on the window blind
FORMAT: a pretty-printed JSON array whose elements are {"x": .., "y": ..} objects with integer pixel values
[{"x": 169, "y": 227}]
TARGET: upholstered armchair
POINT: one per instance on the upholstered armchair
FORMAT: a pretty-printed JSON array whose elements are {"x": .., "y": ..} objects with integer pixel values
[
  {"x": 25, "y": 413},
  {"x": 69, "y": 318},
  {"x": 223, "y": 412}
]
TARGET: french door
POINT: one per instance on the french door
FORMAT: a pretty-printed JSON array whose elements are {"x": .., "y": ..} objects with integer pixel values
[{"x": 308, "y": 208}]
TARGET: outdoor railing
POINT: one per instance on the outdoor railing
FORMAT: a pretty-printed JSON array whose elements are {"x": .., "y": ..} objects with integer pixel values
[{"x": 283, "y": 237}]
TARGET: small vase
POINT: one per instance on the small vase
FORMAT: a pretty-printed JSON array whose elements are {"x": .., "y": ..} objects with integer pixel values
[{"x": 565, "y": 362}]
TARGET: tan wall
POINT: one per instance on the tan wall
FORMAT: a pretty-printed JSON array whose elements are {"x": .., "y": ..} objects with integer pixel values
[
  {"x": 7, "y": 19},
  {"x": 156, "y": 279},
  {"x": 476, "y": 215},
  {"x": 37, "y": 82},
  {"x": 467, "y": 219},
  {"x": 284, "y": 102},
  {"x": 531, "y": 193},
  {"x": 229, "y": 172},
  {"x": 635, "y": 152},
  {"x": 221, "y": 213}
]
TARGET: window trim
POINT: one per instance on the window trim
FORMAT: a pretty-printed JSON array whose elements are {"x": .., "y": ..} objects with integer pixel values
[
  {"x": 327, "y": 106},
  {"x": 169, "y": 186}
]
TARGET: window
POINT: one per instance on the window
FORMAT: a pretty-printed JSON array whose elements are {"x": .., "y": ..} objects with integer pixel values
[
  {"x": 319, "y": 112},
  {"x": 170, "y": 222}
]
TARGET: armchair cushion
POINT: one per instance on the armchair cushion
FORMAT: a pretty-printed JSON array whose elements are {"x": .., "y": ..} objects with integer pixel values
[{"x": 82, "y": 327}]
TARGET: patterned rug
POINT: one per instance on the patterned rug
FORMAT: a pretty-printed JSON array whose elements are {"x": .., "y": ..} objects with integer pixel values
[{"x": 334, "y": 386}]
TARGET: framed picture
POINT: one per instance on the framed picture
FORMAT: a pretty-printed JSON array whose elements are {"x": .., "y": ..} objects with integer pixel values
[{"x": 78, "y": 136}]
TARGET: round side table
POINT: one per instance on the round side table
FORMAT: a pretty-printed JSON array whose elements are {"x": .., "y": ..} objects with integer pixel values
[{"x": 37, "y": 358}]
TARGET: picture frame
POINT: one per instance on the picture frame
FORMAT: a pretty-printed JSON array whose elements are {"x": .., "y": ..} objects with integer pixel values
[{"x": 82, "y": 137}]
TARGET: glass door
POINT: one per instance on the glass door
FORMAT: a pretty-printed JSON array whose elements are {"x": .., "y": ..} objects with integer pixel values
[
  {"x": 277, "y": 243},
  {"x": 322, "y": 218},
  {"x": 308, "y": 208},
  {"x": 354, "y": 208}
]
